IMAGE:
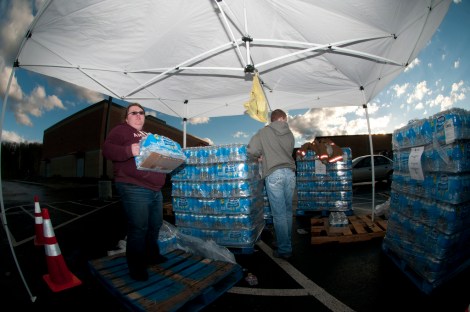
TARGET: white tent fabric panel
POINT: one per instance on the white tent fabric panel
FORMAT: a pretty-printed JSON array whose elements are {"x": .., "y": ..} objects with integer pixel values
[{"x": 188, "y": 58}]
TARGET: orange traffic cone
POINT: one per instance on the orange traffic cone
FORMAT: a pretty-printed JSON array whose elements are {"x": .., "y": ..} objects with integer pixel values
[
  {"x": 59, "y": 277},
  {"x": 38, "y": 223}
]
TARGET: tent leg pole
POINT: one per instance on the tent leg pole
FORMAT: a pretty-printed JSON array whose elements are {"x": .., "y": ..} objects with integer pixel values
[
  {"x": 371, "y": 161},
  {"x": 4, "y": 217},
  {"x": 184, "y": 132},
  {"x": 371, "y": 152}
]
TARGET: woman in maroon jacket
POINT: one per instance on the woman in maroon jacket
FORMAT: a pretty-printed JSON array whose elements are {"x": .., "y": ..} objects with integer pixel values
[{"x": 140, "y": 192}]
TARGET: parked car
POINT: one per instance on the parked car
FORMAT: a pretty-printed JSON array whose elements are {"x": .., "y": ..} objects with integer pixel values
[{"x": 362, "y": 169}]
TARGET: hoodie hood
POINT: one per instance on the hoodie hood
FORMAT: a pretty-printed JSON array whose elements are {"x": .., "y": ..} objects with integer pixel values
[{"x": 280, "y": 127}]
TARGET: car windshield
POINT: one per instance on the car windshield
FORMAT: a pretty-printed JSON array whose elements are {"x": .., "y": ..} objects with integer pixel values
[
  {"x": 356, "y": 160},
  {"x": 365, "y": 160}
]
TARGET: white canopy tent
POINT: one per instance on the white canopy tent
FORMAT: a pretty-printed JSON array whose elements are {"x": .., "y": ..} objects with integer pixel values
[
  {"x": 189, "y": 58},
  {"x": 195, "y": 58}
]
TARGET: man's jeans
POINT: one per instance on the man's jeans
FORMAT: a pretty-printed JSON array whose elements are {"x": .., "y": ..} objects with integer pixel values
[
  {"x": 280, "y": 186},
  {"x": 144, "y": 212}
]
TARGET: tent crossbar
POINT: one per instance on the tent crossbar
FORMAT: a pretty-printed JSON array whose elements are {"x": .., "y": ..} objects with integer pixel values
[
  {"x": 166, "y": 70},
  {"x": 336, "y": 44},
  {"x": 329, "y": 48},
  {"x": 150, "y": 71},
  {"x": 98, "y": 82},
  {"x": 426, "y": 18},
  {"x": 238, "y": 41},
  {"x": 229, "y": 29},
  {"x": 195, "y": 68},
  {"x": 86, "y": 67},
  {"x": 368, "y": 56},
  {"x": 321, "y": 48},
  {"x": 176, "y": 67}
]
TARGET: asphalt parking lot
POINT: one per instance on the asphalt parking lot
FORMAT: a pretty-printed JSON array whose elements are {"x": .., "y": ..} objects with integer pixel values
[{"x": 330, "y": 277}]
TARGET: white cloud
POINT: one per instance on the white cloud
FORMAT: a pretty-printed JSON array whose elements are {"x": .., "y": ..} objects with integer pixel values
[
  {"x": 38, "y": 101},
  {"x": 15, "y": 93},
  {"x": 457, "y": 86},
  {"x": 240, "y": 134},
  {"x": 336, "y": 121},
  {"x": 413, "y": 63},
  {"x": 35, "y": 105},
  {"x": 457, "y": 93},
  {"x": 457, "y": 64},
  {"x": 198, "y": 120},
  {"x": 208, "y": 141},
  {"x": 419, "y": 106},
  {"x": 11, "y": 136},
  {"x": 419, "y": 92},
  {"x": 399, "y": 90}
]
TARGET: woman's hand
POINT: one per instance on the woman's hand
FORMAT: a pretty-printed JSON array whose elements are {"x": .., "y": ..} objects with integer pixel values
[{"x": 135, "y": 148}]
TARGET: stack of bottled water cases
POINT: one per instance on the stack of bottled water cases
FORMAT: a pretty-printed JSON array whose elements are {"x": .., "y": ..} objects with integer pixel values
[
  {"x": 217, "y": 195},
  {"x": 429, "y": 222},
  {"x": 325, "y": 188}
]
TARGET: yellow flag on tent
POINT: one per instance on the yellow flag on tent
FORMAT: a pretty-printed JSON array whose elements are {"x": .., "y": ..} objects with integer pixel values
[{"x": 257, "y": 106}]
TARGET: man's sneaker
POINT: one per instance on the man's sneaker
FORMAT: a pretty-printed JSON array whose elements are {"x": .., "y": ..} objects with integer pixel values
[{"x": 276, "y": 254}]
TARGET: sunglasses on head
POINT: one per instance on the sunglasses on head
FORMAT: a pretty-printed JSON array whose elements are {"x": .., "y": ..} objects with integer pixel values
[{"x": 136, "y": 113}]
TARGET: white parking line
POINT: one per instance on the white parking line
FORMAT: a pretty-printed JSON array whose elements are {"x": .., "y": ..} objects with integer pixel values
[{"x": 309, "y": 287}]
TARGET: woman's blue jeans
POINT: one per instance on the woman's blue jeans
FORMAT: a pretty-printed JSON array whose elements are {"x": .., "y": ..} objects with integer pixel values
[
  {"x": 280, "y": 186},
  {"x": 144, "y": 211}
]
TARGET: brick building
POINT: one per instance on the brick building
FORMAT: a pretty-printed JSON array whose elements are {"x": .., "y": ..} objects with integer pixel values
[{"x": 72, "y": 147}]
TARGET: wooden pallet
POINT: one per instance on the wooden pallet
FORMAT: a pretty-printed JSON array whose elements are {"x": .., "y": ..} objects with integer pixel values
[
  {"x": 421, "y": 282},
  {"x": 360, "y": 228},
  {"x": 185, "y": 282}
]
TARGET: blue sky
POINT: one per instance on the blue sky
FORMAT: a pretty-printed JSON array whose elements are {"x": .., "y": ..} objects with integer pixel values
[{"x": 437, "y": 80}]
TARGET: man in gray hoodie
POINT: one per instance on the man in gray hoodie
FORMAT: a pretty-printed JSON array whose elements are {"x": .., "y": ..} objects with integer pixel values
[{"x": 273, "y": 145}]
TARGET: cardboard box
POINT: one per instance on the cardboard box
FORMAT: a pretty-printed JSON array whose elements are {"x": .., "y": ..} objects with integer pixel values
[
  {"x": 159, "y": 153},
  {"x": 160, "y": 163}
]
